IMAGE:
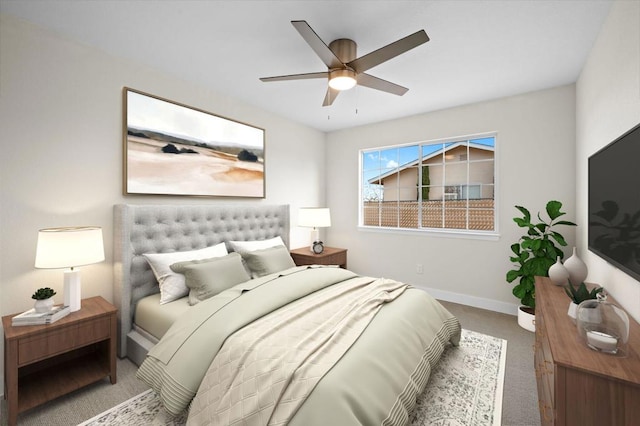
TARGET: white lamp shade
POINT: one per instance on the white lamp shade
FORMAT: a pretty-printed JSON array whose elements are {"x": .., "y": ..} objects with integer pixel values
[
  {"x": 312, "y": 217},
  {"x": 69, "y": 247}
]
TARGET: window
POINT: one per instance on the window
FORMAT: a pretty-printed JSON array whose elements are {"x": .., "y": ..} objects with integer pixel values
[{"x": 443, "y": 185}]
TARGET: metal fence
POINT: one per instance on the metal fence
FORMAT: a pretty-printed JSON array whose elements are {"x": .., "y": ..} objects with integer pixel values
[{"x": 453, "y": 214}]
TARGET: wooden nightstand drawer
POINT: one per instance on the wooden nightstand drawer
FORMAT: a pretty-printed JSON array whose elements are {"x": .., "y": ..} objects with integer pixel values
[{"x": 62, "y": 340}]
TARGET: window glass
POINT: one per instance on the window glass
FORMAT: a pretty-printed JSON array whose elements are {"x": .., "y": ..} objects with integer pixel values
[{"x": 433, "y": 185}]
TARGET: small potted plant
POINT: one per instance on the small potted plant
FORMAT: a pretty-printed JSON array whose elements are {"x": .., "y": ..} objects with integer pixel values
[
  {"x": 579, "y": 294},
  {"x": 44, "y": 299}
]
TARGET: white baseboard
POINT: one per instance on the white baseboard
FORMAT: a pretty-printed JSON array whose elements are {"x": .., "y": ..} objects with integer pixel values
[{"x": 476, "y": 302}]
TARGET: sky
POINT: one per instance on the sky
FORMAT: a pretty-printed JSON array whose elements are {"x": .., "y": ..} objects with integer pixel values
[{"x": 154, "y": 114}]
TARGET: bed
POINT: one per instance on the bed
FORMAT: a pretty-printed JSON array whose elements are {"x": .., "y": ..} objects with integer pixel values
[{"x": 298, "y": 345}]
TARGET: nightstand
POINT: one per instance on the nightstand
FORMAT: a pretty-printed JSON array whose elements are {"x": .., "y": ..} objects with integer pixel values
[
  {"x": 43, "y": 362},
  {"x": 330, "y": 256}
]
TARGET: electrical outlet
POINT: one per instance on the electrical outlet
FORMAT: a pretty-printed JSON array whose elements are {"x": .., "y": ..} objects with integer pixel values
[{"x": 418, "y": 268}]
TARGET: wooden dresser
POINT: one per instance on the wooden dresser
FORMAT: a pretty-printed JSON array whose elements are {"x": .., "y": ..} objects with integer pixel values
[{"x": 577, "y": 385}]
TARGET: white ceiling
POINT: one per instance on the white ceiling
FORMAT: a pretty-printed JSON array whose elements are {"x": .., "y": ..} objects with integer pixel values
[{"x": 479, "y": 49}]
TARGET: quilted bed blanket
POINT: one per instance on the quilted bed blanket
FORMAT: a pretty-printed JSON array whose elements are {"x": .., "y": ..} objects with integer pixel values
[{"x": 307, "y": 346}]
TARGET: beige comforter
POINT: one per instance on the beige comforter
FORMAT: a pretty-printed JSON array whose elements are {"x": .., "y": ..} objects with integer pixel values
[{"x": 313, "y": 346}]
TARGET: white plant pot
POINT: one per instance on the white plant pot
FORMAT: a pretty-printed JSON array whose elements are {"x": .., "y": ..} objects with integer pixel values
[
  {"x": 526, "y": 320},
  {"x": 44, "y": 305}
]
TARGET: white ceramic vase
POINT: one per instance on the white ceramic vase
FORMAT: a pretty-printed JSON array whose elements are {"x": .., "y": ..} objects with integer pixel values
[
  {"x": 577, "y": 269},
  {"x": 44, "y": 305},
  {"x": 558, "y": 273}
]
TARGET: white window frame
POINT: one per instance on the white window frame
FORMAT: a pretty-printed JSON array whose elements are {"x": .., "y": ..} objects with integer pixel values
[{"x": 437, "y": 232}]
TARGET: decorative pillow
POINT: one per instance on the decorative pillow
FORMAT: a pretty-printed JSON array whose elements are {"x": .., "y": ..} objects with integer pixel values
[
  {"x": 208, "y": 277},
  {"x": 245, "y": 246},
  {"x": 172, "y": 285},
  {"x": 268, "y": 261}
]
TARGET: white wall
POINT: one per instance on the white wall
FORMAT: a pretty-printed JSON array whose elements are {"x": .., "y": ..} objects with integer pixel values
[
  {"x": 608, "y": 104},
  {"x": 61, "y": 164},
  {"x": 535, "y": 163}
]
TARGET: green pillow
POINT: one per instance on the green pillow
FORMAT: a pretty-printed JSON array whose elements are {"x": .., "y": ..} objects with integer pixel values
[
  {"x": 268, "y": 261},
  {"x": 207, "y": 277}
]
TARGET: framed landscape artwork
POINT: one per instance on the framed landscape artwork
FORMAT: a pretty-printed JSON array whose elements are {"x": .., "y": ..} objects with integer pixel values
[{"x": 173, "y": 149}]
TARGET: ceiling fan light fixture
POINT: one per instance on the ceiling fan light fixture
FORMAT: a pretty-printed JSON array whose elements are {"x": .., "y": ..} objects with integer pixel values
[{"x": 342, "y": 79}]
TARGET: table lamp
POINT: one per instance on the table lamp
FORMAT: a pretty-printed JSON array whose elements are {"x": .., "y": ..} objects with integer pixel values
[
  {"x": 314, "y": 217},
  {"x": 69, "y": 248}
]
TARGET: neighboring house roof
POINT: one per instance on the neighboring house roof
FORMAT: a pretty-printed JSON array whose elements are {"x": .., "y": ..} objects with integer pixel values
[{"x": 378, "y": 179}]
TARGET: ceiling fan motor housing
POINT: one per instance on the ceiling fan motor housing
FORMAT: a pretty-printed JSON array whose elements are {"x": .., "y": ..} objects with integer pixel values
[{"x": 344, "y": 49}]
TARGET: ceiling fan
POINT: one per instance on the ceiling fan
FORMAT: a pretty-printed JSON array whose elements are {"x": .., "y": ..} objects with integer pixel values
[{"x": 344, "y": 68}]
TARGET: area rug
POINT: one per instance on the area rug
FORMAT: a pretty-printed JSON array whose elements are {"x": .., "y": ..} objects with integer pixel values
[{"x": 465, "y": 389}]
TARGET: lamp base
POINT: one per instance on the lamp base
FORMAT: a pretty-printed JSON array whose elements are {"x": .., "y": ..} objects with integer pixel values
[
  {"x": 315, "y": 236},
  {"x": 72, "y": 289}
]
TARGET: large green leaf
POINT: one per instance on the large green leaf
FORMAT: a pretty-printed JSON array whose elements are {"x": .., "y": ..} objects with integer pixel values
[
  {"x": 559, "y": 238},
  {"x": 525, "y": 212},
  {"x": 537, "y": 266},
  {"x": 512, "y": 275},
  {"x": 527, "y": 243},
  {"x": 519, "y": 291},
  {"x": 536, "y": 244},
  {"x": 553, "y": 209}
]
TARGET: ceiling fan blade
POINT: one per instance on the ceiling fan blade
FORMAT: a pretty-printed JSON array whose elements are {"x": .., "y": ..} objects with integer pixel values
[
  {"x": 372, "y": 82},
  {"x": 323, "y": 74},
  {"x": 322, "y": 50},
  {"x": 331, "y": 96},
  {"x": 389, "y": 51}
]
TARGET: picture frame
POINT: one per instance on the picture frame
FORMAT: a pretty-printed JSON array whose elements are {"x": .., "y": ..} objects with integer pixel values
[{"x": 174, "y": 149}]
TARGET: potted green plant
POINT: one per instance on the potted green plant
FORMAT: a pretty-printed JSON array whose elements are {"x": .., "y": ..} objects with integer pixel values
[
  {"x": 44, "y": 299},
  {"x": 534, "y": 253},
  {"x": 579, "y": 294}
]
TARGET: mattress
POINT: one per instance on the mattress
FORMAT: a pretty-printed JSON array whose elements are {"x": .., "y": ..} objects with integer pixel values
[{"x": 154, "y": 319}]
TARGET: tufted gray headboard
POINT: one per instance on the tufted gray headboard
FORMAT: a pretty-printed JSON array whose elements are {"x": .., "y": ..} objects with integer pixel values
[{"x": 140, "y": 229}]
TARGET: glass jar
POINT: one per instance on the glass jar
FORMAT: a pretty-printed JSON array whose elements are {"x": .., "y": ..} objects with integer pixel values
[{"x": 603, "y": 326}]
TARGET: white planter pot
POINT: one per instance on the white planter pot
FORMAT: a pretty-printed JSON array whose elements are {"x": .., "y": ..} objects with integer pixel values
[
  {"x": 42, "y": 306},
  {"x": 526, "y": 320},
  {"x": 572, "y": 311}
]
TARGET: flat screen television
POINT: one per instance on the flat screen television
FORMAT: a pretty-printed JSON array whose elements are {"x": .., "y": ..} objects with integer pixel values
[{"x": 614, "y": 203}]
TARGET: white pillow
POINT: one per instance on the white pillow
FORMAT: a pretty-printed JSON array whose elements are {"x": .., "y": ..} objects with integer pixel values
[
  {"x": 172, "y": 284},
  {"x": 245, "y": 246}
]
